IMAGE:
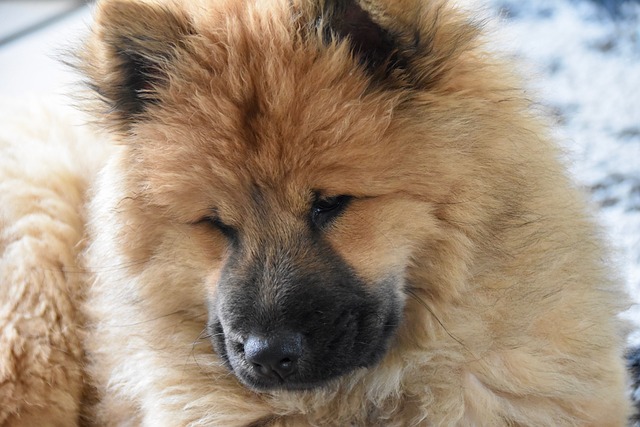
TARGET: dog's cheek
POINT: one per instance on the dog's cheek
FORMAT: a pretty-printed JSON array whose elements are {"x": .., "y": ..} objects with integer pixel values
[
  {"x": 377, "y": 236},
  {"x": 183, "y": 265}
]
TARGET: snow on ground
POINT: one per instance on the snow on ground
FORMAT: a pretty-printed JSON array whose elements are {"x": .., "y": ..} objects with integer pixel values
[{"x": 583, "y": 61}]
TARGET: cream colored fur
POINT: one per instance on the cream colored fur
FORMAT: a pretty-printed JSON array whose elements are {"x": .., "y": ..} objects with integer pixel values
[{"x": 47, "y": 161}]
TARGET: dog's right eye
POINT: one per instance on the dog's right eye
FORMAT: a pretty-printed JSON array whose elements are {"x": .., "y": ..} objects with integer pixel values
[
  {"x": 326, "y": 209},
  {"x": 215, "y": 222}
]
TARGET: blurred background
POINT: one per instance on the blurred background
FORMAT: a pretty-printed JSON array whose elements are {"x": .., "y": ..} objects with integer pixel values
[
  {"x": 582, "y": 58},
  {"x": 34, "y": 35}
]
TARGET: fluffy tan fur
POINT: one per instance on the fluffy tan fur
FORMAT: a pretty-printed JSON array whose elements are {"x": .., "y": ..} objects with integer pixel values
[
  {"x": 45, "y": 168},
  {"x": 511, "y": 311}
]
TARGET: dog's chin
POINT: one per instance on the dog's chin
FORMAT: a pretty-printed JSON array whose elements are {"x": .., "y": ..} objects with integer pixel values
[
  {"x": 292, "y": 384},
  {"x": 260, "y": 385}
]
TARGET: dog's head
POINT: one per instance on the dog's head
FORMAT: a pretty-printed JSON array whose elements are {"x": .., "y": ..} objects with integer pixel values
[{"x": 276, "y": 170}]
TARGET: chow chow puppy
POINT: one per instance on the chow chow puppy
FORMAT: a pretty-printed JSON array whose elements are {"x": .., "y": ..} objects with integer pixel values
[{"x": 335, "y": 213}]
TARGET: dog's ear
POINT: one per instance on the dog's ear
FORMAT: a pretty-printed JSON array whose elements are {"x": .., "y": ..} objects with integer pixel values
[
  {"x": 374, "y": 46},
  {"x": 418, "y": 41},
  {"x": 130, "y": 51}
]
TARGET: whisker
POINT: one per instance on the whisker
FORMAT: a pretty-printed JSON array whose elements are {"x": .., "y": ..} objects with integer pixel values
[
  {"x": 163, "y": 316},
  {"x": 417, "y": 298}
]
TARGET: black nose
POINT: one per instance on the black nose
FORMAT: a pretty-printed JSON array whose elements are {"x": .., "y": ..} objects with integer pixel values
[{"x": 274, "y": 357}]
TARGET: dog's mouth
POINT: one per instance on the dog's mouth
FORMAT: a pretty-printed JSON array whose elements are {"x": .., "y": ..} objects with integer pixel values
[
  {"x": 283, "y": 321},
  {"x": 284, "y": 358}
]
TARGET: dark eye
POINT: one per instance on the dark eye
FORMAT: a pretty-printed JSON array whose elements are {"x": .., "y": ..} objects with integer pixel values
[
  {"x": 326, "y": 209},
  {"x": 215, "y": 222}
]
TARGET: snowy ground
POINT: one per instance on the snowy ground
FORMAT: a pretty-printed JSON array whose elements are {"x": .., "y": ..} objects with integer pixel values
[{"x": 583, "y": 59}]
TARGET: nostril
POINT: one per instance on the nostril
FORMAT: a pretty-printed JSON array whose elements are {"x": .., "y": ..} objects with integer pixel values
[
  {"x": 285, "y": 363},
  {"x": 238, "y": 347},
  {"x": 274, "y": 356},
  {"x": 262, "y": 369},
  {"x": 285, "y": 367}
]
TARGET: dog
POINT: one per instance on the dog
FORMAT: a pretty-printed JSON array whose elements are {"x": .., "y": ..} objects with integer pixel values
[{"x": 335, "y": 213}]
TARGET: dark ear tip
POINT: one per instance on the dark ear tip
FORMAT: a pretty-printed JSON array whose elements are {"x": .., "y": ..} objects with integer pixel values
[
  {"x": 126, "y": 57},
  {"x": 374, "y": 46}
]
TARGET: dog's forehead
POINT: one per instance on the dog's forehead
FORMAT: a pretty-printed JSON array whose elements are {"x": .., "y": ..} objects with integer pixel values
[
  {"x": 253, "y": 105},
  {"x": 285, "y": 104}
]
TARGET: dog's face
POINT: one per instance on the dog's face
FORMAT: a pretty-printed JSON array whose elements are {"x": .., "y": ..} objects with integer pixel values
[
  {"x": 288, "y": 310},
  {"x": 271, "y": 165}
]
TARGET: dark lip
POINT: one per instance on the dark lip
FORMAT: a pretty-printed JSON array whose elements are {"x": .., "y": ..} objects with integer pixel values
[
  {"x": 292, "y": 386},
  {"x": 219, "y": 344}
]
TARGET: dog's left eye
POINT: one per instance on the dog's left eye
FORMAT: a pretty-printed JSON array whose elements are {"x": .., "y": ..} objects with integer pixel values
[
  {"x": 326, "y": 209},
  {"x": 215, "y": 222}
]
